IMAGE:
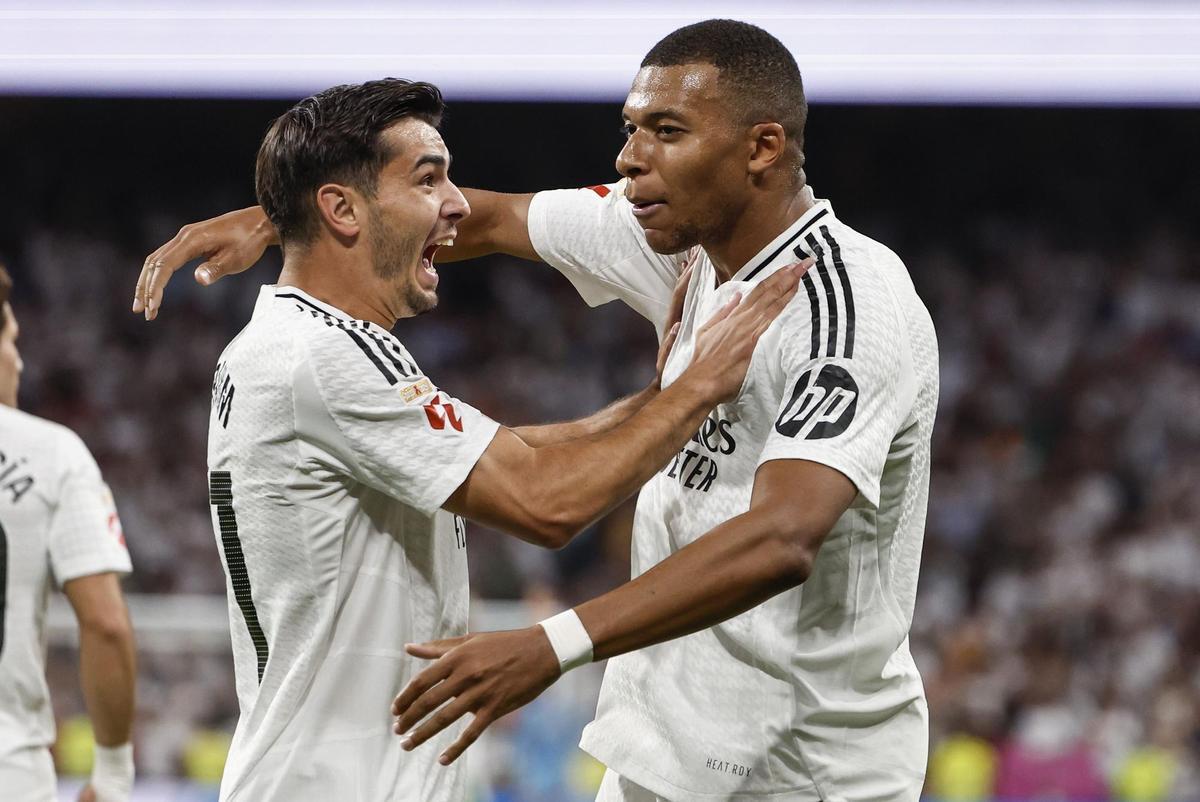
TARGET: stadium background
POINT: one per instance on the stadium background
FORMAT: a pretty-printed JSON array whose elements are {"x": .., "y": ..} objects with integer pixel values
[{"x": 1058, "y": 616}]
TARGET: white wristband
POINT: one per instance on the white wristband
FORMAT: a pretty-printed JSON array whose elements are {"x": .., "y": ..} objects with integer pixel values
[
  {"x": 570, "y": 641},
  {"x": 112, "y": 773}
]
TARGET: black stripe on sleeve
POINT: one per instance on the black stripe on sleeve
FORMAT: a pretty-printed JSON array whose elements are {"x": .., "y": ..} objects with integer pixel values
[
  {"x": 840, "y": 268},
  {"x": 790, "y": 240},
  {"x": 347, "y": 327},
  {"x": 830, "y": 295},
  {"x": 815, "y": 306}
]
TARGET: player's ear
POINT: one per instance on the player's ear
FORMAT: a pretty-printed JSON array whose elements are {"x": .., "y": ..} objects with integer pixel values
[
  {"x": 341, "y": 209},
  {"x": 767, "y": 143}
]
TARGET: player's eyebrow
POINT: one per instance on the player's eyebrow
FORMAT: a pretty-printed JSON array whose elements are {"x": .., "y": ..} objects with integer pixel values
[
  {"x": 653, "y": 117},
  {"x": 436, "y": 159}
]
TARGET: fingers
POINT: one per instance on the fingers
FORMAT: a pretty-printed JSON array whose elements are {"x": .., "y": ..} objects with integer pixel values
[
  {"x": 419, "y": 685},
  {"x": 724, "y": 312},
  {"x": 469, "y": 735},
  {"x": 431, "y": 650},
  {"x": 428, "y": 702},
  {"x": 675, "y": 312},
  {"x": 436, "y": 723},
  {"x": 190, "y": 243}
]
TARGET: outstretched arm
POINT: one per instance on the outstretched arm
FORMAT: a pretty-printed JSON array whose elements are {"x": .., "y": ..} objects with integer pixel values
[
  {"x": 734, "y": 567},
  {"x": 235, "y": 241},
  {"x": 547, "y": 494}
]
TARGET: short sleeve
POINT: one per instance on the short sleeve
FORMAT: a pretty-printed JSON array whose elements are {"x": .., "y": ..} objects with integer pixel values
[
  {"x": 85, "y": 535},
  {"x": 394, "y": 429},
  {"x": 591, "y": 236},
  {"x": 837, "y": 409}
]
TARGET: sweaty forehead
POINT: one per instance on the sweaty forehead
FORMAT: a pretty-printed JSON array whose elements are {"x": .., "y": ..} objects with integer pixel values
[{"x": 688, "y": 88}]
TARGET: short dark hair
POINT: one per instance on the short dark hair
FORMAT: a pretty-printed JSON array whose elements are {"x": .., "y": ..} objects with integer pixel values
[
  {"x": 760, "y": 71},
  {"x": 333, "y": 136}
]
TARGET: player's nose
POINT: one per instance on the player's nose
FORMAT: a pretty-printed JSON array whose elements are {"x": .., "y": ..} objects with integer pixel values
[
  {"x": 456, "y": 207},
  {"x": 631, "y": 160}
]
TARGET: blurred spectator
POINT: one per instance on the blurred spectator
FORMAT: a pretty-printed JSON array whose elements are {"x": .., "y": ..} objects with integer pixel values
[{"x": 1058, "y": 618}]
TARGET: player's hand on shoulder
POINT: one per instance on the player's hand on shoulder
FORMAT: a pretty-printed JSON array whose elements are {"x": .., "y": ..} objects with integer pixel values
[
  {"x": 725, "y": 344},
  {"x": 230, "y": 243},
  {"x": 674, "y": 315},
  {"x": 488, "y": 675}
]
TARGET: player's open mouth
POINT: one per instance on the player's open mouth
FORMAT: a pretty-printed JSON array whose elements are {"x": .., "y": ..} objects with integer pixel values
[{"x": 430, "y": 276}]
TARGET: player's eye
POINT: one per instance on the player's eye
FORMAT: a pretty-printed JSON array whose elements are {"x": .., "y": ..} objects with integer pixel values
[
  {"x": 427, "y": 180},
  {"x": 627, "y": 129},
  {"x": 668, "y": 130}
]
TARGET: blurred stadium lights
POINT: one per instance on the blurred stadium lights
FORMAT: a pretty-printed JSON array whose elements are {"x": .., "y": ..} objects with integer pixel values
[{"x": 1140, "y": 52}]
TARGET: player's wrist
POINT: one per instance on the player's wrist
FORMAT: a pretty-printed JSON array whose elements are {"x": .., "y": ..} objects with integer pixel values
[
  {"x": 112, "y": 772},
  {"x": 569, "y": 639}
]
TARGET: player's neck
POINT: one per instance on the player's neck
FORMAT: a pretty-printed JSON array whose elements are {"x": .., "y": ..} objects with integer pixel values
[
  {"x": 761, "y": 222},
  {"x": 332, "y": 279}
]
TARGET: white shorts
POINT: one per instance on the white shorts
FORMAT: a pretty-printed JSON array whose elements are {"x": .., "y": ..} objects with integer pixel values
[
  {"x": 615, "y": 788},
  {"x": 28, "y": 775}
]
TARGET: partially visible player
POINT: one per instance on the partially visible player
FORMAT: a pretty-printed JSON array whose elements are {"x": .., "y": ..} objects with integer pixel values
[
  {"x": 339, "y": 470},
  {"x": 58, "y": 526}
]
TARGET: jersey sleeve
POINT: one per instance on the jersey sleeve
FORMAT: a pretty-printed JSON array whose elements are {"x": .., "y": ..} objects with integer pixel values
[
  {"x": 392, "y": 427},
  {"x": 844, "y": 397},
  {"x": 85, "y": 535},
  {"x": 591, "y": 236}
]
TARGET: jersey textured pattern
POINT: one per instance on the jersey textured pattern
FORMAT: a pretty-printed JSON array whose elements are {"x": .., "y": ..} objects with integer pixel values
[
  {"x": 330, "y": 455},
  {"x": 57, "y": 523},
  {"x": 811, "y": 696}
]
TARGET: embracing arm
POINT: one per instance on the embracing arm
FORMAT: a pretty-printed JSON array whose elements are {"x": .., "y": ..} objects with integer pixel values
[
  {"x": 548, "y": 492},
  {"x": 234, "y": 242},
  {"x": 734, "y": 567}
]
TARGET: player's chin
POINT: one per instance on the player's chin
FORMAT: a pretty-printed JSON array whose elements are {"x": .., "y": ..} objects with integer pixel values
[
  {"x": 423, "y": 300},
  {"x": 667, "y": 241}
]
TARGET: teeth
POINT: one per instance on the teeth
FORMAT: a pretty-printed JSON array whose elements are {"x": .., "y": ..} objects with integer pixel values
[{"x": 447, "y": 241}]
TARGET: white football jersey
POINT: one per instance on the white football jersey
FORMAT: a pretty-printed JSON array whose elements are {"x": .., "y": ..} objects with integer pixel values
[
  {"x": 330, "y": 454},
  {"x": 57, "y": 523},
  {"x": 812, "y": 695}
]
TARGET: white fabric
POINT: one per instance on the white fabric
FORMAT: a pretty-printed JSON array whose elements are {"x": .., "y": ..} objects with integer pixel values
[
  {"x": 812, "y": 695},
  {"x": 615, "y": 788},
  {"x": 59, "y": 523},
  {"x": 563, "y": 226},
  {"x": 339, "y": 453},
  {"x": 112, "y": 773},
  {"x": 569, "y": 638}
]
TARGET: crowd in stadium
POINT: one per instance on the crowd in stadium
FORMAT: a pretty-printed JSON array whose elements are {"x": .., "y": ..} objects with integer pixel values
[
  {"x": 1058, "y": 621},
  {"x": 1058, "y": 618}
]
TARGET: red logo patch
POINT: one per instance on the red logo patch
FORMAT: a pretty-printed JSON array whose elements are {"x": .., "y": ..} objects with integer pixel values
[
  {"x": 439, "y": 414},
  {"x": 600, "y": 190}
]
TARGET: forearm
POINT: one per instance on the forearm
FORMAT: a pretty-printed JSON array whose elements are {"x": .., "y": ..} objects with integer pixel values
[
  {"x": 600, "y": 422},
  {"x": 498, "y": 223},
  {"x": 737, "y": 566},
  {"x": 108, "y": 674}
]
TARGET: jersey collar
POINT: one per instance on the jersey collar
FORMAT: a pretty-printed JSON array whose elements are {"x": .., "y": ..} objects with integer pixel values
[
  {"x": 301, "y": 297},
  {"x": 781, "y": 250}
]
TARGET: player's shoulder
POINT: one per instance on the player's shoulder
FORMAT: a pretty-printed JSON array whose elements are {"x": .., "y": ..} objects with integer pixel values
[
  {"x": 49, "y": 446},
  {"x": 352, "y": 354}
]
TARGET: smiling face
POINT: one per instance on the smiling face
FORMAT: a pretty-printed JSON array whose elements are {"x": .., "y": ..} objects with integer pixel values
[
  {"x": 415, "y": 209},
  {"x": 685, "y": 157}
]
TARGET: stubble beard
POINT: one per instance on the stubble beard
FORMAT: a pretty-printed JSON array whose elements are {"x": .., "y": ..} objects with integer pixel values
[{"x": 392, "y": 255}]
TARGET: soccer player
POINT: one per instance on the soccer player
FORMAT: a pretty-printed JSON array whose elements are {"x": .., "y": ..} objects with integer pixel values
[
  {"x": 761, "y": 650},
  {"x": 57, "y": 525},
  {"x": 339, "y": 470}
]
